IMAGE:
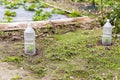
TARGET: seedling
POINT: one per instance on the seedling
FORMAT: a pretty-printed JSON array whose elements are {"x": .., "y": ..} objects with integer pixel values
[
  {"x": 42, "y": 5},
  {"x": 6, "y": 2},
  {"x": 12, "y": 6},
  {"x": 31, "y": 7},
  {"x": 75, "y": 14},
  {"x": 20, "y": 2},
  {"x": 1, "y": 2},
  {"x": 57, "y": 11},
  {"x": 107, "y": 41},
  {"x": 30, "y": 48},
  {"x": 10, "y": 13},
  {"x": 7, "y": 19},
  {"x": 17, "y": 77},
  {"x": 39, "y": 15}
]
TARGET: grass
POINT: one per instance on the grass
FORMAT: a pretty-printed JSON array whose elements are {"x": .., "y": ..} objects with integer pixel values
[
  {"x": 17, "y": 77},
  {"x": 84, "y": 46},
  {"x": 71, "y": 56},
  {"x": 12, "y": 59}
]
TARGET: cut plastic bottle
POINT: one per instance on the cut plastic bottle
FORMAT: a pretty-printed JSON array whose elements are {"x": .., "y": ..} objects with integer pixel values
[
  {"x": 29, "y": 40},
  {"x": 107, "y": 34}
]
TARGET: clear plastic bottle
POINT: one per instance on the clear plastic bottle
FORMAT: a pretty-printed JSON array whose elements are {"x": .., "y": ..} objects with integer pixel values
[
  {"x": 106, "y": 40},
  {"x": 107, "y": 34},
  {"x": 29, "y": 40}
]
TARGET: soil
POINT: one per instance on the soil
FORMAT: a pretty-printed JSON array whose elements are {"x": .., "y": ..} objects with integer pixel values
[{"x": 11, "y": 72}]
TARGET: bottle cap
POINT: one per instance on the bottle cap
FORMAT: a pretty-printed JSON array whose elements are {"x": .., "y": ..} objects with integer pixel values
[
  {"x": 29, "y": 29},
  {"x": 29, "y": 25},
  {"x": 108, "y": 20},
  {"x": 107, "y": 24}
]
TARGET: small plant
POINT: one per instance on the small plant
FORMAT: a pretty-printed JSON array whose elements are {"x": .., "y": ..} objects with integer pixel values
[
  {"x": 39, "y": 15},
  {"x": 8, "y": 16},
  {"x": 7, "y": 19},
  {"x": 6, "y": 2},
  {"x": 12, "y": 59},
  {"x": 79, "y": 73},
  {"x": 31, "y": 7},
  {"x": 2, "y": 34},
  {"x": 107, "y": 40},
  {"x": 1, "y": 2},
  {"x": 42, "y": 5},
  {"x": 12, "y": 5},
  {"x": 17, "y": 77},
  {"x": 30, "y": 48},
  {"x": 75, "y": 14},
  {"x": 57, "y": 11},
  {"x": 21, "y": 2},
  {"x": 9, "y": 13},
  {"x": 39, "y": 71}
]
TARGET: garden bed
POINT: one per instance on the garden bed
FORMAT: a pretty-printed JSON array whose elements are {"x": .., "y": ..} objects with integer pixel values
[
  {"x": 14, "y": 12},
  {"x": 17, "y": 15}
]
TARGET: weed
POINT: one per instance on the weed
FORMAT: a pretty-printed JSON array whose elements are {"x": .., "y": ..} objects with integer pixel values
[
  {"x": 17, "y": 77},
  {"x": 79, "y": 73},
  {"x": 2, "y": 34},
  {"x": 39, "y": 71},
  {"x": 75, "y": 14},
  {"x": 72, "y": 44},
  {"x": 57, "y": 11},
  {"x": 12, "y": 59}
]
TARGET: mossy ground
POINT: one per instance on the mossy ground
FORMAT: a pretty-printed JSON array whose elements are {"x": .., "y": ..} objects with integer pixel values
[{"x": 72, "y": 55}]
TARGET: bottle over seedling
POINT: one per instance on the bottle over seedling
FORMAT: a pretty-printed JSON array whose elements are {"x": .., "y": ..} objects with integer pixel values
[
  {"x": 29, "y": 40},
  {"x": 107, "y": 34}
]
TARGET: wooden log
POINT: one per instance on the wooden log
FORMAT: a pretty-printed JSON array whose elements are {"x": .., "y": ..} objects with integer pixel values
[{"x": 40, "y": 24}]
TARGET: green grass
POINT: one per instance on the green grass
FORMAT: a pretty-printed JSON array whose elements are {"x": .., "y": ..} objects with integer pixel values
[
  {"x": 70, "y": 56},
  {"x": 73, "y": 43},
  {"x": 84, "y": 45},
  {"x": 17, "y": 77},
  {"x": 12, "y": 59}
]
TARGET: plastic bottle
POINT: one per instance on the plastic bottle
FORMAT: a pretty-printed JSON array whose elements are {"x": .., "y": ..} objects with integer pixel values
[
  {"x": 107, "y": 34},
  {"x": 29, "y": 40}
]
